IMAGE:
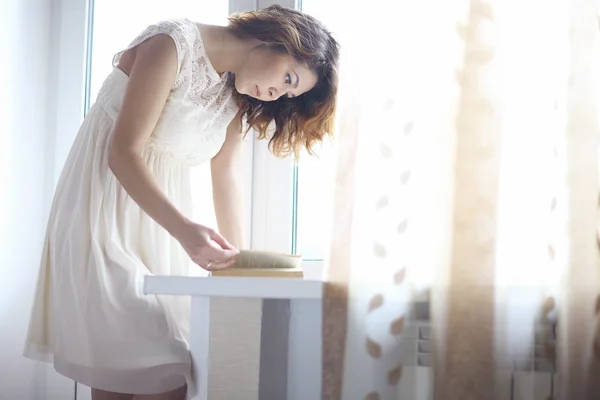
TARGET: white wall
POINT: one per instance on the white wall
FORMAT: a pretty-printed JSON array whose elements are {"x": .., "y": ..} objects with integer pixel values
[{"x": 27, "y": 146}]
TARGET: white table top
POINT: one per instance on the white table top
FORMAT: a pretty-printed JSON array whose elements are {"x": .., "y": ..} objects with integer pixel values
[{"x": 216, "y": 286}]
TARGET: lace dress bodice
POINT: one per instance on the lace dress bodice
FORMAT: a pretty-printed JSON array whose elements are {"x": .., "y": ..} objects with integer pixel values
[{"x": 192, "y": 126}]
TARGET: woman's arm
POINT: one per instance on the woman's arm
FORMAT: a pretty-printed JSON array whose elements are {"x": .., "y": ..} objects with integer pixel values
[
  {"x": 150, "y": 80},
  {"x": 228, "y": 196}
]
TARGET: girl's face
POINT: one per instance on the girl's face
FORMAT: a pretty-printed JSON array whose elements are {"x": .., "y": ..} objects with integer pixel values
[{"x": 268, "y": 75}]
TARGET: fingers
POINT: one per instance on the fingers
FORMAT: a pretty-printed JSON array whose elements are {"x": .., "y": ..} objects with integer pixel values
[
  {"x": 215, "y": 265},
  {"x": 214, "y": 255},
  {"x": 220, "y": 240},
  {"x": 218, "y": 266},
  {"x": 216, "y": 252}
]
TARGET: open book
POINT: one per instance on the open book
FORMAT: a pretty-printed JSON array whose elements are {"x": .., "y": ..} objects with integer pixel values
[{"x": 264, "y": 263}]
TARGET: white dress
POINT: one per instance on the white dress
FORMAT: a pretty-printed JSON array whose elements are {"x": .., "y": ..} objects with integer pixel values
[{"x": 90, "y": 315}]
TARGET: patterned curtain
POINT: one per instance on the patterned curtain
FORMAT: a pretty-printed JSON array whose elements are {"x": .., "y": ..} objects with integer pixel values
[{"x": 466, "y": 191}]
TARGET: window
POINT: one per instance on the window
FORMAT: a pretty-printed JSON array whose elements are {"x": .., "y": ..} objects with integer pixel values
[
  {"x": 314, "y": 189},
  {"x": 315, "y": 176}
]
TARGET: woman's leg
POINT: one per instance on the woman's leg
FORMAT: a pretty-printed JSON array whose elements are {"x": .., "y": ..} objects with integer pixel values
[
  {"x": 177, "y": 394},
  {"x": 103, "y": 395}
]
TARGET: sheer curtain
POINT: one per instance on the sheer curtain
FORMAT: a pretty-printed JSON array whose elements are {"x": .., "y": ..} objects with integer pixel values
[{"x": 467, "y": 174}]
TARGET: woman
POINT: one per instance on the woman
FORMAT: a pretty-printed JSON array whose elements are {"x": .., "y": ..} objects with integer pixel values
[{"x": 176, "y": 98}]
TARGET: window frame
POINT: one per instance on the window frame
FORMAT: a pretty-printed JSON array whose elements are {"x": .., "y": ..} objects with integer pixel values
[{"x": 70, "y": 75}]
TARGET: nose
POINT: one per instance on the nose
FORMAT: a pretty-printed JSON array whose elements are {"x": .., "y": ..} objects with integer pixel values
[{"x": 275, "y": 92}]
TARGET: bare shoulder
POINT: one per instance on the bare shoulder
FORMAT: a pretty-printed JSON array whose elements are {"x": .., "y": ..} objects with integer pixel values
[
  {"x": 152, "y": 69},
  {"x": 159, "y": 47}
]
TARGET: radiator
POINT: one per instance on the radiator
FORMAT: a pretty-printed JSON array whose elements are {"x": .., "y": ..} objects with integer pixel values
[
  {"x": 536, "y": 380},
  {"x": 417, "y": 384}
]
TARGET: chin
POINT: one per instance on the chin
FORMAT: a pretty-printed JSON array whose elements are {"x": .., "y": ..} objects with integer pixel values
[
  {"x": 237, "y": 87},
  {"x": 246, "y": 90},
  {"x": 251, "y": 95},
  {"x": 242, "y": 89}
]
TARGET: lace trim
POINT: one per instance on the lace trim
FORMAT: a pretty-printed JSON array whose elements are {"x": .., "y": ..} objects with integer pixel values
[{"x": 195, "y": 75}]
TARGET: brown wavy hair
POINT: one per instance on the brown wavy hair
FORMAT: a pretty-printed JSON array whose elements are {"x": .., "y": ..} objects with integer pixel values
[{"x": 302, "y": 121}]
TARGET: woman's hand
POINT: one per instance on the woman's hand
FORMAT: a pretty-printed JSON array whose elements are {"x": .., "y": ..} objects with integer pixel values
[{"x": 206, "y": 247}]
